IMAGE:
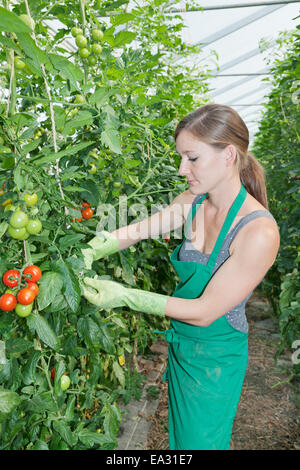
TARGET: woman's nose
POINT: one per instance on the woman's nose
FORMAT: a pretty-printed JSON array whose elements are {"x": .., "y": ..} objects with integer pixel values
[{"x": 183, "y": 168}]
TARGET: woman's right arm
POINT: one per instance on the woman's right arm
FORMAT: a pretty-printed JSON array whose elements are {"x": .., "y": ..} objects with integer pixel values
[{"x": 168, "y": 219}]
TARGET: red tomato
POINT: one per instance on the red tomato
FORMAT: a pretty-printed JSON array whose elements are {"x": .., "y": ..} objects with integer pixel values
[
  {"x": 8, "y": 302},
  {"x": 25, "y": 296},
  {"x": 10, "y": 278},
  {"x": 53, "y": 374},
  {"x": 34, "y": 287},
  {"x": 87, "y": 213},
  {"x": 32, "y": 273},
  {"x": 85, "y": 204}
]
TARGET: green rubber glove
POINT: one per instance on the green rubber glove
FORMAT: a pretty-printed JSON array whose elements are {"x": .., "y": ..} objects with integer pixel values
[
  {"x": 102, "y": 245},
  {"x": 111, "y": 294}
]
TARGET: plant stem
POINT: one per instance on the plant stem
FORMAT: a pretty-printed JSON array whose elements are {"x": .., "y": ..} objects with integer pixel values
[{"x": 51, "y": 112}]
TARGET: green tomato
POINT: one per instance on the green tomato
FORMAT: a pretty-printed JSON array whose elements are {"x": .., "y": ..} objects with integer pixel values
[
  {"x": 19, "y": 64},
  {"x": 76, "y": 31},
  {"x": 1, "y": 140},
  {"x": 23, "y": 310},
  {"x": 84, "y": 53},
  {"x": 19, "y": 219},
  {"x": 79, "y": 98},
  {"x": 96, "y": 49},
  {"x": 117, "y": 184},
  {"x": 34, "y": 226},
  {"x": 5, "y": 150},
  {"x": 92, "y": 60},
  {"x": 18, "y": 233},
  {"x": 81, "y": 41},
  {"x": 30, "y": 199},
  {"x": 93, "y": 169},
  {"x": 65, "y": 382},
  {"x": 97, "y": 34}
]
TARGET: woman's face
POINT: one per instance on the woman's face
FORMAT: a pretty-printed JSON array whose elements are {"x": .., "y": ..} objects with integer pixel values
[{"x": 201, "y": 164}]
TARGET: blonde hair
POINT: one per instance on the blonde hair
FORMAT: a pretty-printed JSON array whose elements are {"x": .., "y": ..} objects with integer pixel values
[{"x": 220, "y": 125}]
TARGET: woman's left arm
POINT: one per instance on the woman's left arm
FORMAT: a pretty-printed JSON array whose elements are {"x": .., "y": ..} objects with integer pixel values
[{"x": 254, "y": 254}]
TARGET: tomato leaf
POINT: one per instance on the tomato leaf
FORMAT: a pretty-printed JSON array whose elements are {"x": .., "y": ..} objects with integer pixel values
[
  {"x": 89, "y": 438},
  {"x": 110, "y": 138},
  {"x": 72, "y": 150},
  {"x": 8, "y": 401},
  {"x": 10, "y": 22},
  {"x": 65, "y": 432},
  {"x": 30, "y": 368},
  {"x": 66, "y": 69},
  {"x": 119, "y": 373},
  {"x": 43, "y": 330},
  {"x": 71, "y": 288},
  {"x": 41, "y": 402},
  {"x": 50, "y": 286},
  {"x": 18, "y": 345}
]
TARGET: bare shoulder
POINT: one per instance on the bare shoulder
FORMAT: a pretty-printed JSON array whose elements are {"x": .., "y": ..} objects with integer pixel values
[{"x": 261, "y": 236}]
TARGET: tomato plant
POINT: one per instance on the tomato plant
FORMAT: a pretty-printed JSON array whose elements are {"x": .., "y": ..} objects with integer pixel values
[{"x": 64, "y": 115}]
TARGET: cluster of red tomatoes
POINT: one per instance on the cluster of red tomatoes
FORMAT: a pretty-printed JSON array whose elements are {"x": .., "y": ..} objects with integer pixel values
[
  {"x": 86, "y": 212},
  {"x": 20, "y": 299}
]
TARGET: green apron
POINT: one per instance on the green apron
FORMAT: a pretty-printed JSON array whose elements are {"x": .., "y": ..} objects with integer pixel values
[{"x": 206, "y": 365}]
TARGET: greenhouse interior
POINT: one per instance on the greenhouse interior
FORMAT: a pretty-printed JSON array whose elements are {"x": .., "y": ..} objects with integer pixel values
[{"x": 149, "y": 224}]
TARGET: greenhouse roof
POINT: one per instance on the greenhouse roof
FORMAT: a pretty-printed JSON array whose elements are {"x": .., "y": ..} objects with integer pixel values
[{"x": 234, "y": 32}]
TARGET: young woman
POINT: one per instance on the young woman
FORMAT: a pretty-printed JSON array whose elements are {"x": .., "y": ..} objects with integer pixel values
[{"x": 231, "y": 242}]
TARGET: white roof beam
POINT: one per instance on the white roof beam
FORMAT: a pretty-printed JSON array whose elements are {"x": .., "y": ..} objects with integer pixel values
[{"x": 238, "y": 25}]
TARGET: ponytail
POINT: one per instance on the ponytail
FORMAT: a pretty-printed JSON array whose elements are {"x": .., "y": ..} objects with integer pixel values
[{"x": 253, "y": 178}]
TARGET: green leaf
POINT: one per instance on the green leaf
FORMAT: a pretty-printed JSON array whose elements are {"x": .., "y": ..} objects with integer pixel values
[
  {"x": 89, "y": 438},
  {"x": 41, "y": 402},
  {"x": 50, "y": 287},
  {"x": 70, "y": 240},
  {"x": 71, "y": 286},
  {"x": 18, "y": 345},
  {"x": 43, "y": 330},
  {"x": 37, "y": 56},
  {"x": 66, "y": 69},
  {"x": 11, "y": 23},
  {"x": 3, "y": 228},
  {"x": 29, "y": 372},
  {"x": 110, "y": 138},
  {"x": 100, "y": 96},
  {"x": 40, "y": 445},
  {"x": 72, "y": 150},
  {"x": 8, "y": 401},
  {"x": 82, "y": 118},
  {"x": 119, "y": 373},
  {"x": 127, "y": 274},
  {"x": 65, "y": 432}
]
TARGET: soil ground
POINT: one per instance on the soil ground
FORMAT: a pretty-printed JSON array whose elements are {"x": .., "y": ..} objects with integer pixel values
[{"x": 267, "y": 416}]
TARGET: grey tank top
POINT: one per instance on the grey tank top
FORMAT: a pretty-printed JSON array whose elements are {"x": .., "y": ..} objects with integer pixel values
[{"x": 236, "y": 317}]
